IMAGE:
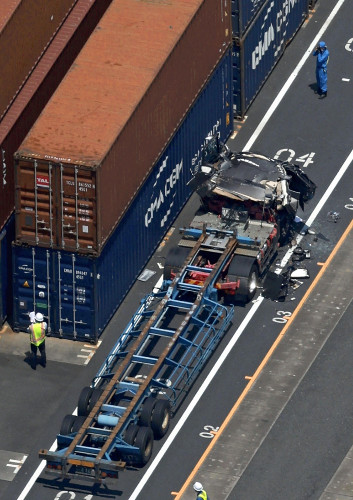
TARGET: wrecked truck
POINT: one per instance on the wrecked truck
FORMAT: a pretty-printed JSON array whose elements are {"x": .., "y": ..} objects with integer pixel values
[{"x": 251, "y": 196}]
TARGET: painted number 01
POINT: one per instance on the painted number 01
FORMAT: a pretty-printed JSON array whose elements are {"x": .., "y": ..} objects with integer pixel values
[
  {"x": 209, "y": 432},
  {"x": 289, "y": 154}
]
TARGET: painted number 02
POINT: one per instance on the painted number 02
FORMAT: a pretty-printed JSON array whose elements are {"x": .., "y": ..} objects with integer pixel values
[
  {"x": 289, "y": 154},
  {"x": 209, "y": 432}
]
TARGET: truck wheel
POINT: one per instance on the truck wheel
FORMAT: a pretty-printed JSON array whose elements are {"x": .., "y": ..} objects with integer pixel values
[
  {"x": 174, "y": 261},
  {"x": 245, "y": 270},
  {"x": 84, "y": 401},
  {"x": 160, "y": 418},
  {"x": 147, "y": 410},
  {"x": 78, "y": 423},
  {"x": 130, "y": 434},
  {"x": 67, "y": 425},
  {"x": 96, "y": 394},
  {"x": 144, "y": 441}
]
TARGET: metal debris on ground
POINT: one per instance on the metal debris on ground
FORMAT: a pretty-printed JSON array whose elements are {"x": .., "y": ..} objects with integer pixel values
[{"x": 333, "y": 216}]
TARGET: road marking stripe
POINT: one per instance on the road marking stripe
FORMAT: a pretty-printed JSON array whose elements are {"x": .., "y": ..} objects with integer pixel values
[{"x": 264, "y": 362}]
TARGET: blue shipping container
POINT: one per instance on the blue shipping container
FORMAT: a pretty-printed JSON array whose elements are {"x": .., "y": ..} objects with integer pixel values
[
  {"x": 256, "y": 54},
  {"x": 243, "y": 12},
  {"x": 7, "y": 235},
  {"x": 78, "y": 294}
]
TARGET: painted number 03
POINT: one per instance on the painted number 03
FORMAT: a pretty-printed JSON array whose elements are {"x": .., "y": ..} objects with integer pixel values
[
  {"x": 289, "y": 154},
  {"x": 209, "y": 431},
  {"x": 282, "y": 317}
]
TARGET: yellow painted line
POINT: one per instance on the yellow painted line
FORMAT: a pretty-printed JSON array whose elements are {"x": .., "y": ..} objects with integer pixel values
[
  {"x": 247, "y": 377},
  {"x": 321, "y": 263},
  {"x": 264, "y": 362}
]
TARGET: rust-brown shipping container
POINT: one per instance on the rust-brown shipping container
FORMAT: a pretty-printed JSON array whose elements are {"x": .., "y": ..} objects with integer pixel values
[
  {"x": 112, "y": 116},
  {"x": 26, "y": 27},
  {"x": 25, "y": 108}
]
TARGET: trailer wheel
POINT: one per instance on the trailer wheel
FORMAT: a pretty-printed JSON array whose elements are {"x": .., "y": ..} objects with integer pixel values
[
  {"x": 174, "y": 261},
  {"x": 79, "y": 421},
  {"x": 245, "y": 270},
  {"x": 147, "y": 411},
  {"x": 130, "y": 434},
  {"x": 160, "y": 418},
  {"x": 96, "y": 394},
  {"x": 144, "y": 441},
  {"x": 84, "y": 401},
  {"x": 67, "y": 425}
]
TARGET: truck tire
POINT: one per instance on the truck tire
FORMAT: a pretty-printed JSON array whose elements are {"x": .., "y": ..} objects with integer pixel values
[
  {"x": 130, "y": 434},
  {"x": 160, "y": 418},
  {"x": 144, "y": 442},
  {"x": 174, "y": 261},
  {"x": 84, "y": 401},
  {"x": 96, "y": 394},
  {"x": 67, "y": 425},
  {"x": 147, "y": 410},
  {"x": 78, "y": 423},
  {"x": 245, "y": 270}
]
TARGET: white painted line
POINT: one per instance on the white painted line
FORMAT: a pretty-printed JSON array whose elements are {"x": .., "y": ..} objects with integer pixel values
[
  {"x": 346, "y": 79},
  {"x": 247, "y": 318},
  {"x": 292, "y": 77}
]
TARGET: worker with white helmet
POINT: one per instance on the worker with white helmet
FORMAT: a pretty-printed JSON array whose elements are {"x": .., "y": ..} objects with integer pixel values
[
  {"x": 37, "y": 330},
  {"x": 201, "y": 493}
]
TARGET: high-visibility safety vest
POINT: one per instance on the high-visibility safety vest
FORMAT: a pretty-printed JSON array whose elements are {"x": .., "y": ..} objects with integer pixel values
[
  {"x": 202, "y": 495},
  {"x": 37, "y": 335}
]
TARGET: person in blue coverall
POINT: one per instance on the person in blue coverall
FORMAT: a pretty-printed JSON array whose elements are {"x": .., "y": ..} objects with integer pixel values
[{"x": 322, "y": 55}]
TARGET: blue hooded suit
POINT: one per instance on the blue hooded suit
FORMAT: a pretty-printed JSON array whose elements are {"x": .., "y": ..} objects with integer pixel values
[{"x": 322, "y": 55}]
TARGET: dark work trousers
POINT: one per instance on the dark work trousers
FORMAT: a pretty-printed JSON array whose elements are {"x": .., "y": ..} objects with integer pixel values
[{"x": 43, "y": 357}]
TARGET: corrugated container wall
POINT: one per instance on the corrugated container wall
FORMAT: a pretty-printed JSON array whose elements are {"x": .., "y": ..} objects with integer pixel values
[
  {"x": 97, "y": 139},
  {"x": 33, "y": 95},
  {"x": 78, "y": 294},
  {"x": 243, "y": 12},
  {"x": 26, "y": 26},
  {"x": 7, "y": 236},
  {"x": 256, "y": 54}
]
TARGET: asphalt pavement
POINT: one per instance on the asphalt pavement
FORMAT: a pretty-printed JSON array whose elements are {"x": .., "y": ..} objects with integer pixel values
[{"x": 316, "y": 134}]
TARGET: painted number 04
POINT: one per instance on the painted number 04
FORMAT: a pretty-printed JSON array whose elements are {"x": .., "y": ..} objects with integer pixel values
[
  {"x": 209, "y": 432},
  {"x": 289, "y": 154},
  {"x": 63, "y": 495}
]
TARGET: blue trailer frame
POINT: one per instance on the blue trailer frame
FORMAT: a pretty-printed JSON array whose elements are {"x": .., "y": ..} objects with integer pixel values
[{"x": 156, "y": 358}]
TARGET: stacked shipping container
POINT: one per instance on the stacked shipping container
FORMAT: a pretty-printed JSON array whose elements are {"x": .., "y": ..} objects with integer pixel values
[
  {"x": 77, "y": 293},
  {"x": 30, "y": 91},
  {"x": 259, "y": 42},
  {"x": 97, "y": 139},
  {"x": 91, "y": 181},
  {"x": 26, "y": 27}
]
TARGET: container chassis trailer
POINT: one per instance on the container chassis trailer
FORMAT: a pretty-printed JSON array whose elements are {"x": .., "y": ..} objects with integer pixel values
[{"x": 155, "y": 360}]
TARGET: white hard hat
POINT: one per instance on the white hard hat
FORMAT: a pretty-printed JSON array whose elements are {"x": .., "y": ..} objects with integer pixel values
[
  {"x": 39, "y": 317},
  {"x": 198, "y": 486}
]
